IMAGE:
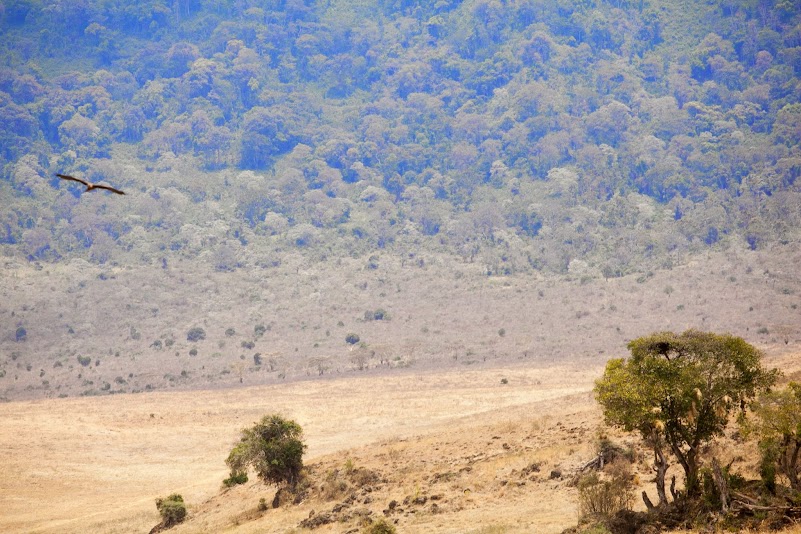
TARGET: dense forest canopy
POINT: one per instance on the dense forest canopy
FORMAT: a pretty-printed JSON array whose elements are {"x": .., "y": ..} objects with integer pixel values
[{"x": 599, "y": 136}]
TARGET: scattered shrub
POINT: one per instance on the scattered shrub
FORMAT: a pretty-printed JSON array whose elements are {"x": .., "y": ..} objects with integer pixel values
[
  {"x": 84, "y": 360},
  {"x": 236, "y": 478},
  {"x": 259, "y": 330},
  {"x": 193, "y": 352},
  {"x": 195, "y": 334},
  {"x": 382, "y": 526},
  {"x": 21, "y": 334},
  {"x": 248, "y": 345},
  {"x": 230, "y": 332},
  {"x": 352, "y": 338},
  {"x": 257, "y": 359},
  {"x": 603, "y": 497},
  {"x": 172, "y": 510}
]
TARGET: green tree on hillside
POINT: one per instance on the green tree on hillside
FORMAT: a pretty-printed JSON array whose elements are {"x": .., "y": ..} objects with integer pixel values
[
  {"x": 678, "y": 391},
  {"x": 273, "y": 447},
  {"x": 776, "y": 423},
  {"x": 172, "y": 510}
]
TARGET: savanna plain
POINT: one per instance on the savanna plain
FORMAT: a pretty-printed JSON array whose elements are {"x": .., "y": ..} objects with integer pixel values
[{"x": 481, "y": 428}]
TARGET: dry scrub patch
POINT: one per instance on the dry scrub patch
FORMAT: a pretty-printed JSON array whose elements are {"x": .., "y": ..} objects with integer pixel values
[
  {"x": 97, "y": 464},
  {"x": 96, "y": 330}
]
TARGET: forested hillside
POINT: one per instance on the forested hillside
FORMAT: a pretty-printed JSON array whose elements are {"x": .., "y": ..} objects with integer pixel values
[{"x": 598, "y": 136}]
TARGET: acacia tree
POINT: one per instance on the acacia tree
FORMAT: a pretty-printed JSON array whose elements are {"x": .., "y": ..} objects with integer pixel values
[
  {"x": 678, "y": 391},
  {"x": 777, "y": 426},
  {"x": 273, "y": 447}
]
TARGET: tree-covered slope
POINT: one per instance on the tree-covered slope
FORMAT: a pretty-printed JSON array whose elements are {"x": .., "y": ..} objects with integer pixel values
[{"x": 525, "y": 134}]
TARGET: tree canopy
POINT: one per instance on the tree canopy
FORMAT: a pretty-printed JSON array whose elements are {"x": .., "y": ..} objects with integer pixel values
[
  {"x": 776, "y": 423},
  {"x": 273, "y": 447},
  {"x": 678, "y": 391}
]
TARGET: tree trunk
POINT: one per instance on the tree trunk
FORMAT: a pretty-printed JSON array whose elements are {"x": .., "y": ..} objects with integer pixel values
[
  {"x": 792, "y": 469},
  {"x": 661, "y": 467},
  {"x": 689, "y": 463},
  {"x": 722, "y": 485}
]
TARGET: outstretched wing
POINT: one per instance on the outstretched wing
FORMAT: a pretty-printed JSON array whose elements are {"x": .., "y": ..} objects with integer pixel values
[
  {"x": 109, "y": 188},
  {"x": 73, "y": 179}
]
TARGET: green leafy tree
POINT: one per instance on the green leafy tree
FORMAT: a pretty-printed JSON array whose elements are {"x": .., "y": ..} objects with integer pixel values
[
  {"x": 678, "y": 391},
  {"x": 273, "y": 447},
  {"x": 776, "y": 423}
]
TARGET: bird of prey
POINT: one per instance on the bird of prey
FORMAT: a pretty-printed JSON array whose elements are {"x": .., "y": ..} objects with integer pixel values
[{"x": 89, "y": 185}]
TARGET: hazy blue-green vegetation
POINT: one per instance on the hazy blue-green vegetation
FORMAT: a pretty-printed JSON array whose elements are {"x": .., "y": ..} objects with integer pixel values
[{"x": 526, "y": 134}]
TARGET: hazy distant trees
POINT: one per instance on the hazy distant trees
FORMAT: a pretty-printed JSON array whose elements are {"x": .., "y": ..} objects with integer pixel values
[{"x": 352, "y": 132}]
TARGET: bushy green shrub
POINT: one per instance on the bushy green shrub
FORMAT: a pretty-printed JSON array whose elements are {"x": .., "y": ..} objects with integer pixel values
[
  {"x": 172, "y": 510},
  {"x": 236, "y": 478},
  {"x": 273, "y": 447},
  {"x": 195, "y": 334}
]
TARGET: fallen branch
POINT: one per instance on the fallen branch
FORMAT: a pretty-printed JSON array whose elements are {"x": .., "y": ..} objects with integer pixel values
[
  {"x": 745, "y": 498},
  {"x": 790, "y": 511},
  {"x": 595, "y": 463}
]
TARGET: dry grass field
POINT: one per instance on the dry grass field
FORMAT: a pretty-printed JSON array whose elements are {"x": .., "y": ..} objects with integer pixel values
[
  {"x": 450, "y": 447},
  {"x": 97, "y": 464}
]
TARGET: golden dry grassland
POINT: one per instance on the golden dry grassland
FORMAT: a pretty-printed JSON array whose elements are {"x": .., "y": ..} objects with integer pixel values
[
  {"x": 97, "y": 464},
  {"x": 452, "y": 448}
]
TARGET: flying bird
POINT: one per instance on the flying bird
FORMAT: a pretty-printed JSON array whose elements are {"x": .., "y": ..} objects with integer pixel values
[{"x": 89, "y": 185}]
